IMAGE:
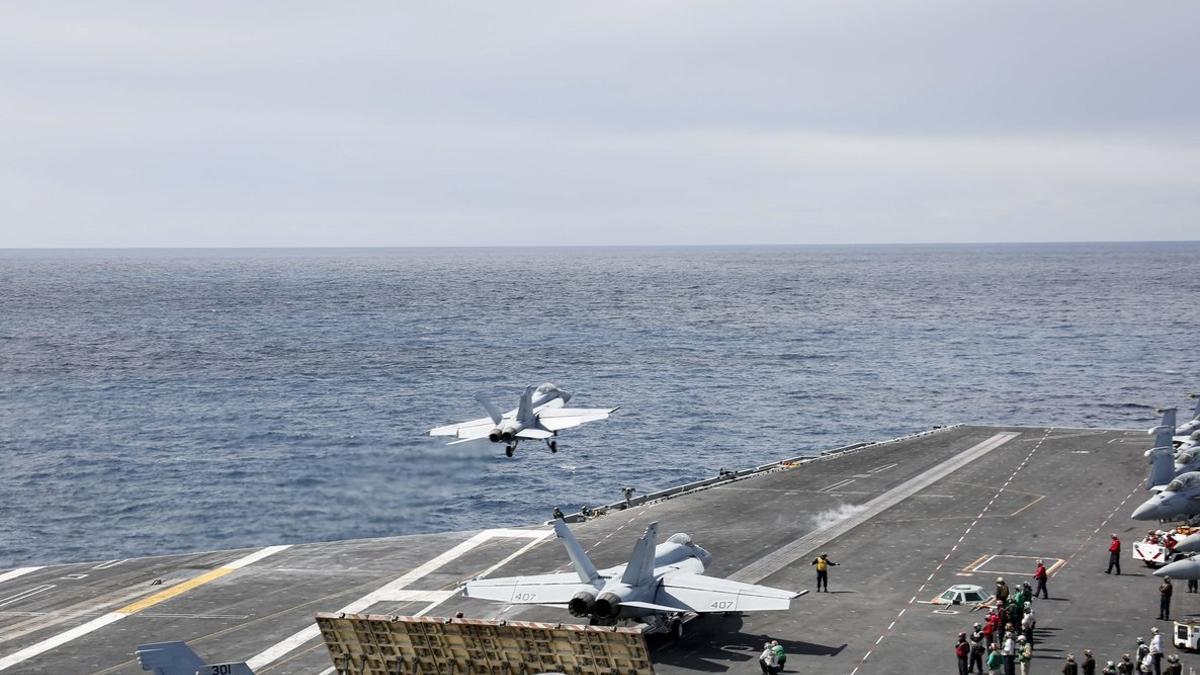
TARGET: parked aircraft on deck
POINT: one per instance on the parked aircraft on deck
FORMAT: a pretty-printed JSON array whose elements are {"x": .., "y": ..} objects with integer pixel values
[{"x": 662, "y": 582}]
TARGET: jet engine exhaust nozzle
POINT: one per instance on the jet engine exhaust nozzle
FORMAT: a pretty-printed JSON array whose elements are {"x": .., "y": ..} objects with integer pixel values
[
  {"x": 607, "y": 605},
  {"x": 581, "y": 604},
  {"x": 494, "y": 435}
]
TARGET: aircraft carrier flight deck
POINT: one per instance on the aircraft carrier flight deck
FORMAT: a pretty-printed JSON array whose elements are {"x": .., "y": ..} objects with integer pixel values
[{"x": 905, "y": 519}]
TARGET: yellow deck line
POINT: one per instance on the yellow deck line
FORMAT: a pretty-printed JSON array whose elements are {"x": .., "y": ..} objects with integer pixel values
[{"x": 178, "y": 589}]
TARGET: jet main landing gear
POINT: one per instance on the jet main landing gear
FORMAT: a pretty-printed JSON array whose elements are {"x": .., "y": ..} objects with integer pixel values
[
  {"x": 553, "y": 445},
  {"x": 508, "y": 450}
]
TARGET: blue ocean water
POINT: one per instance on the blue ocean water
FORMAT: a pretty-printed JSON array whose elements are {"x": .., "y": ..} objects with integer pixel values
[{"x": 163, "y": 401}]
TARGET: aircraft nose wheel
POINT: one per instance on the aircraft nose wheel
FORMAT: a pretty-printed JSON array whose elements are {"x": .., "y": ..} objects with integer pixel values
[{"x": 508, "y": 451}]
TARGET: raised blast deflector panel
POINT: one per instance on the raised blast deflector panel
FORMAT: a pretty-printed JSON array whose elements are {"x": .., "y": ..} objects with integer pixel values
[{"x": 384, "y": 645}]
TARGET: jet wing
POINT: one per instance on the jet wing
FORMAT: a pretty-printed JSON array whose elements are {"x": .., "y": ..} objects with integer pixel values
[
  {"x": 698, "y": 593},
  {"x": 542, "y": 589},
  {"x": 557, "y": 419},
  {"x": 473, "y": 429}
]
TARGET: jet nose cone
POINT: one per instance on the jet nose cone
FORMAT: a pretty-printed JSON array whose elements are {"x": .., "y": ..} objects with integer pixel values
[
  {"x": 1147, "y": 511},
  {"x": 1180, "y": 569},
  {"x": 1188, "y": 544}
]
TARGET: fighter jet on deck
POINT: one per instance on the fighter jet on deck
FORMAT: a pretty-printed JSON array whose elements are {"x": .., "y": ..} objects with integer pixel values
[
  {"x": 176, "y": 658},
  {"x": 1178, "y": 500},
  {"x": 1171, "y": 455},
  {"x": 540, "y": 415},
  {"x": 659, "y": 583},
  {"x": 1193, "y": 425}
]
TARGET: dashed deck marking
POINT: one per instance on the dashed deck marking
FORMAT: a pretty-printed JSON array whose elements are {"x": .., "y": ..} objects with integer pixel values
[
  {"x": 994, "y": 497},
  {"x": 128, "y": 610},
  {"x": 789, "y": 553}
]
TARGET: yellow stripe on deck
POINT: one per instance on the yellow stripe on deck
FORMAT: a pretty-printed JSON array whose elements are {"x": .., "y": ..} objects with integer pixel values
[
  {"x": 55, "y": 641},
  {"x": 178, "y": 589}
]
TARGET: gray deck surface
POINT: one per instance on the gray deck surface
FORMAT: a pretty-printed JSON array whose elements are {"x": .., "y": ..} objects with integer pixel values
[{"x": 1054, "y": 494}]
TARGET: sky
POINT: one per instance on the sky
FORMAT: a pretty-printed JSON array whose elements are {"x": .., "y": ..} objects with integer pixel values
[{"x": 616, "y": 123}]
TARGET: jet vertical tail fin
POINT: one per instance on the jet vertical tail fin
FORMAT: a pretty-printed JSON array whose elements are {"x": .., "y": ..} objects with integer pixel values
[
  {"x": 579, "y": 558},
  {"x": 169, "y": 658},
  {"x": 1162, "y": 467},
  {"x": 641, "y": 564},
  {"x": 1165, "y": 430},
  {"x": 492, "y": 411},
  {"x": 525, "y": 409},
  {"x": 177, "y": 658}
]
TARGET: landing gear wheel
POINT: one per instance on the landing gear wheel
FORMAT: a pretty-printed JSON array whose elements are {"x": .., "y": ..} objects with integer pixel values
[
  {"x": 553, "y": 446},
  {"x": 508, "y": 451},
  {"x": 677, "y": 629}
]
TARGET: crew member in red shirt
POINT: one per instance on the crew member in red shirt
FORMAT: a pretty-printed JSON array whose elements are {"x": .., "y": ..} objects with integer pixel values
[
  {"x": 1114, "y": 555},
  {"x": 1040, "y": 576}
]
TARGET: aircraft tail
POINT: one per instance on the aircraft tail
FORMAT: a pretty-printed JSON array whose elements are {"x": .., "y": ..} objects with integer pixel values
[
  {"x": 1165, "y": 430},
  {"x": 169, "y": 658},
  {"x": 177, "y": 658},
  {"x": 492, "y": 411},
  {"x": 525, "y": 409},
  {"x": 1162, "y": 467},
  {"x": 641, "y": 564},
  {"x": 579, "y": 558}
]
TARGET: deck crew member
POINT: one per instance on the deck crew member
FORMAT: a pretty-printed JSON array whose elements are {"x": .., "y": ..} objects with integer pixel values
[
  {"x": 1024, "y": 654},
  {"x": 1164, "y": 599},
  {"x": 822, "y": 562},
  {"x": 977, "y": 648},
  {"x": 1088, "y": 667},
  {"x": 1040, "y": 576},
  {"x": 1001, "y": 592},
  {"x": 1156, "y": 650},
  {"x": 1010, "y": 653},
  {"x": 962, "y": 653},
  {"x": 1114, "y": 555},
  {"x": 1070, "y": 667}
]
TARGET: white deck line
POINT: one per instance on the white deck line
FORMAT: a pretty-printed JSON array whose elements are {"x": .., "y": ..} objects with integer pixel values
[
  {"x": 764, "y": 567},
  {"x": 25, "y": 594},
  {"x": 19, "y": 572},
  {"x": 389, "y": 590},
  {"x": 96, "y": 624}
]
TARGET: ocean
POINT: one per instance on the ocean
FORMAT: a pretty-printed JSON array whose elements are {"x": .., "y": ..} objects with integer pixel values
[{"x": 160, "y": 401}]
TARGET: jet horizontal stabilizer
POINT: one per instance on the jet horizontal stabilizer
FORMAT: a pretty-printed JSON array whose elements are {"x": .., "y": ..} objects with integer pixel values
[{"x": 652, "y": 607}]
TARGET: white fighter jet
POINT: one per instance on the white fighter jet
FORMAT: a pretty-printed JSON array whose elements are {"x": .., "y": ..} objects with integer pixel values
[
  {"x": 658, "y": 585},
  {"x": 540, "y": 415}
]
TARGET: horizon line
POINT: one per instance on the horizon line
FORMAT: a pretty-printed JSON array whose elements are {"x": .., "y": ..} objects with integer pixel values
[{"x": 285, "y": 247}]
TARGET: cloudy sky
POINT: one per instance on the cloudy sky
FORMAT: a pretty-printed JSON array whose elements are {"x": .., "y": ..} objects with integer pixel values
[{"x": 541, "y": 123}]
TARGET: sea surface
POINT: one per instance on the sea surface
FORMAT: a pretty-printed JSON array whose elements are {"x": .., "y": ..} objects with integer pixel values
[{"x": 159, "y": 401}]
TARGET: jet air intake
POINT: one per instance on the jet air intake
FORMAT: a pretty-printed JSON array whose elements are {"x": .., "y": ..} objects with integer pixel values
[
  {"x": 607, "y": 605},
  {"x": 581, "y": 604}
]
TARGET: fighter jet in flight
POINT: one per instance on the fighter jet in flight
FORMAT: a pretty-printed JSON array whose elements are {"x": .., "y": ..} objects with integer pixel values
[
  {"x": 176, "y": 658},
  {"x": 539, "y": 415},
  {"x": 658, "y": 584}
]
